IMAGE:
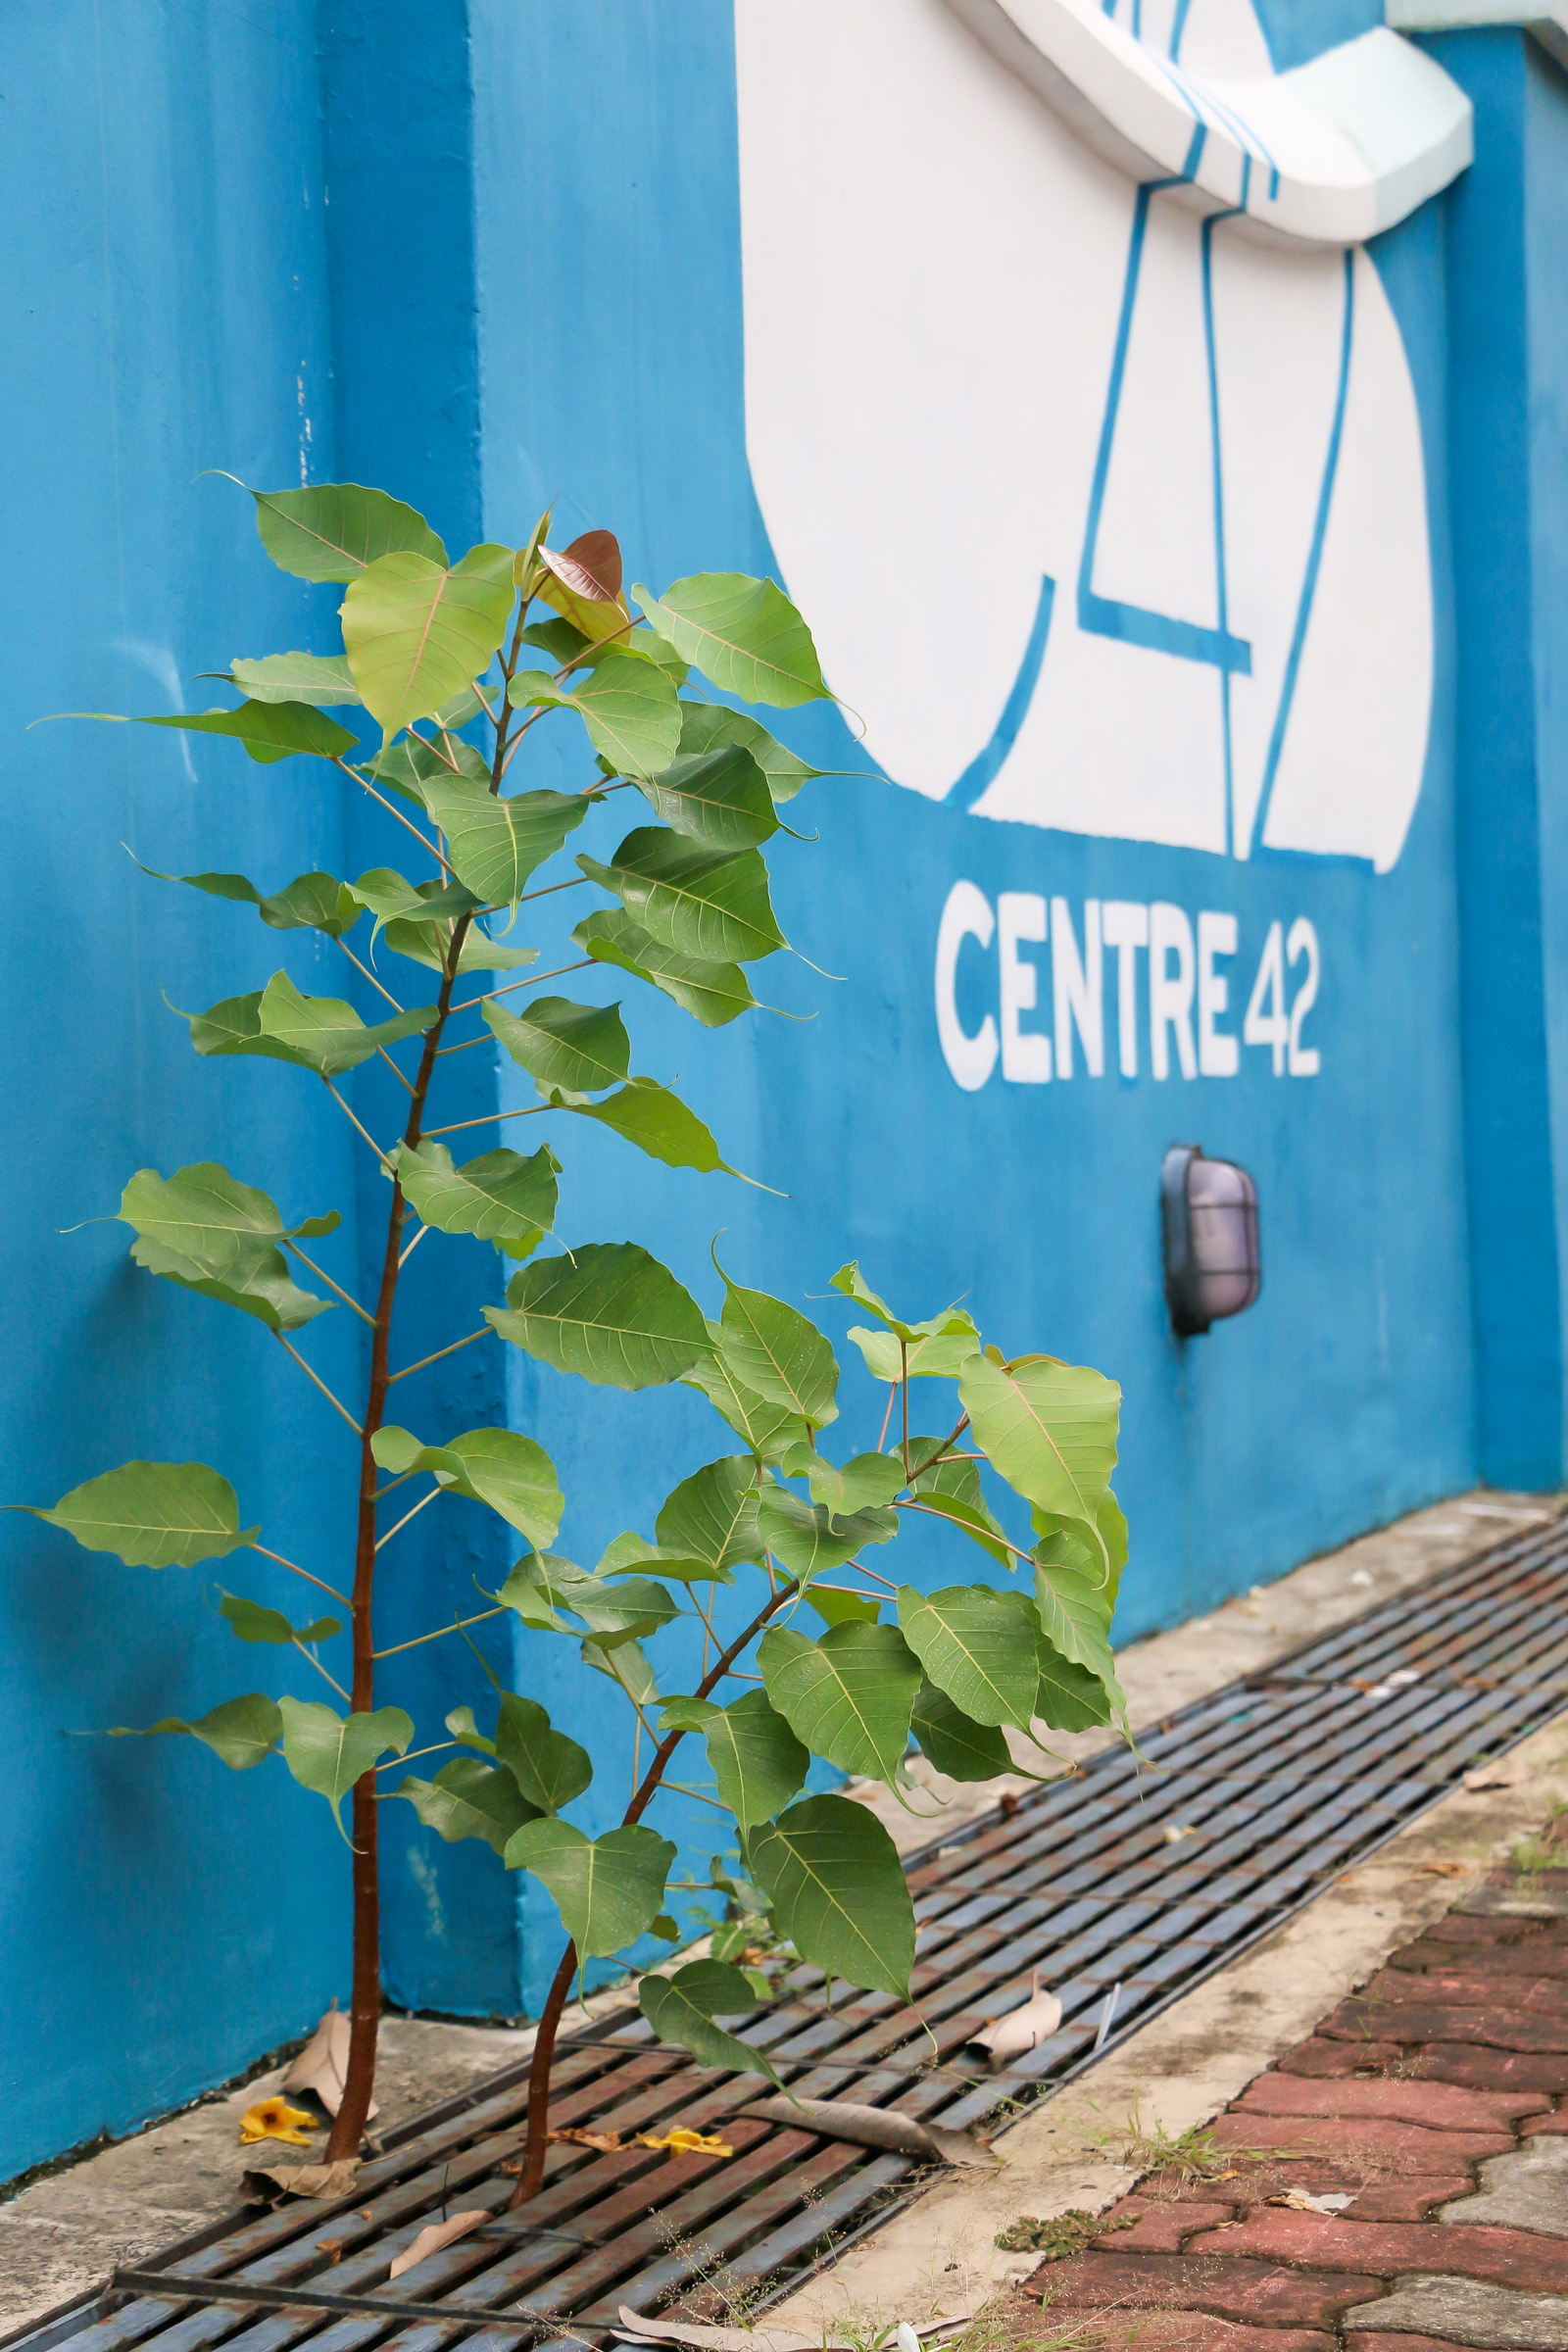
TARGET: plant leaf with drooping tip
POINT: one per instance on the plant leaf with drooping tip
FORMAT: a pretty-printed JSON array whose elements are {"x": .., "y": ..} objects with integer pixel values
[
  {"x": 838, "y": 1891},
  {"x": 609, "y": 1312},
  {"x": 326, "y": 1032},
  {"x": 243, "y": 1731},
  {"x": 269, "y": 730},
  {"x": 154, "y": 1514},
  {"x": 711, "y": 1516},
  {"x": 773, "y": 1351},
  {"x": 313, "y": 902},
  {"x": 416, "y": 633},
  {"x": 203, "y": 1229},
  {"x": 868, "y": 1483},
  {"x": 469, "y": 1798},
  {"x": 809, "y": 1541},
  {"x": 711, "y": 992},
  {"x": 953, "y": 1321},
  {"x": 759, "y": 1763},
  {"x": 499, "y": 1467},
  {"x": 549, "y": 1768},
  {"x": 978, "y": 1647},
  {"x": 495, "y": 844},
  {"x": 608, "y": 1889},
  {"x": 768, "y": 1428},
  {"x": 742, "y": 634},
  {"x": 502, "y": 1197},
  {"x": 940, "y": 1359},
  {"x": 334, "y": 530},
  {"x": 1051, "y": 1430},
  {"x": 1070, "y": 1696},
  {"x": 951, "y": 1741},
  {"x": 711, "y": 903},
  {"x": 847, "y": 1697},
  {"x": 720, "y": 798},
  {"x": 657, "y": 1122},
  {"x": 317, "y": 678},
  {"x": 1075, "y": 1619},
  {"x": 431, "y": 944},
  {"x": 708, "y": 726},
  {"x": 630, "y": 1555},
  {"x": 631, "y": 712},
  {"x": 583, "y": 1048},
  {"x": 251, "y": 1622},
  {"x": 327, "y": 1752},
  {"x": 682, "y": 2009}
]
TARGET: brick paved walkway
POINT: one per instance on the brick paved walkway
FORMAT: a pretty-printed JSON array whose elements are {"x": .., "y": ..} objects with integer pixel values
[{"x": 1427, "y": 2116}]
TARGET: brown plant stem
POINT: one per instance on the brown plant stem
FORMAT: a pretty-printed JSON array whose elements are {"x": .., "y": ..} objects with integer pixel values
[
  {"x": 365, "y": 2007},
  {"x": 531, "y": 2179}
]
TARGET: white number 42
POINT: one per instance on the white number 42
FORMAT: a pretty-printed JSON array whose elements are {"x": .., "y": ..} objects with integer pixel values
[{"x": 1267, "y": 1022}]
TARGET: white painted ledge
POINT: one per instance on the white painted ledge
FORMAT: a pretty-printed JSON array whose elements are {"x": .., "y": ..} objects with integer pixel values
[
  {"x": 1548, "y": 23},
  {"x": 1328, "y": 154}
]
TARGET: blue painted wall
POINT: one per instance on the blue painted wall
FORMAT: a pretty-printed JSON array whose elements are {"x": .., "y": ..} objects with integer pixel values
[
  {"x": 488, "y": 253},
  {"x": 160, "y": 1922}
]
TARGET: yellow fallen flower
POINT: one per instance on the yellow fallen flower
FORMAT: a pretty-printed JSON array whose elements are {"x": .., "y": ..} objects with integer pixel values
[
  {"x": 682, "y": 2142},
  {"x": 275, "y": 2119}
]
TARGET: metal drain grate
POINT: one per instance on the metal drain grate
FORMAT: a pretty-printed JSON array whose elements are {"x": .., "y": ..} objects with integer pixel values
[{"x": 1148, "y": 1878}]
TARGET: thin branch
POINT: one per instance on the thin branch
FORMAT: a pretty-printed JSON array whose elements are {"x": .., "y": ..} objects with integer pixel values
[
  {"x": 904, "y": 1354},
  {"x": 347, "y": 1299},
  {"x": 369, "y": 975},
  {"x": 551, "y": 889},
  {"x": 382, "y": 1157},
  {"x": 317, "y": 1580},
  {"x": 321, "y": 1669},
  {"x": 700, "y": 1794},
  {"x": 533, "y": 980},
  {"x": 481, "y": 1334},
  {"x": 882, "y": 1434},
  {"x": 932, "y": 1512},
  {"x": 407, "y": 1516},
  {"x": 457, "y": 1125},
  {"x": 457, "y": 1625},
  {"x": 321, "y": 1383},
  {"x": 393, "y": 1067},
  {"x": 366, "y": 785},
  {"x": 434, "y": 749},
  {"x": 414, "y": 1755},
  {"x": 724, "y": 1664},
  {"x": 412, "y": 1245}
]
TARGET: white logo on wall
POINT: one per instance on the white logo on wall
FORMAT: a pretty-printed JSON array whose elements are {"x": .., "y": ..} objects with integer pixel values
[{"x": 1107, "y": 518}]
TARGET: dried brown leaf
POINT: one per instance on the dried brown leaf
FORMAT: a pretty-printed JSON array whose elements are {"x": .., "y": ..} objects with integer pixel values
[
  {"x": 264, "y": 2184},
  {"x": 435, "y": 2236},
  {"x": 322, "y": 2065}
]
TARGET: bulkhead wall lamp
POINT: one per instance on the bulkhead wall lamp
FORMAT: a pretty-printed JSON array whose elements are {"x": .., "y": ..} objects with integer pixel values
[{"x": 1209, "y": 1213}]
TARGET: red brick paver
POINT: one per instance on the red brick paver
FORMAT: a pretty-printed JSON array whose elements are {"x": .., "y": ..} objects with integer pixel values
[{"x": 1455, "y": 2052}]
